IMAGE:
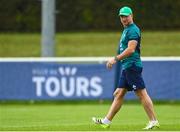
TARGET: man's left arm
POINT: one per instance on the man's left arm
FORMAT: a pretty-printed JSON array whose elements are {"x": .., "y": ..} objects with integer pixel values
[{"x": 126, "y": 53}]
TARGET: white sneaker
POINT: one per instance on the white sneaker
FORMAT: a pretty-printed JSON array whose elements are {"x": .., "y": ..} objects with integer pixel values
[{"x": 151, "y": 125}]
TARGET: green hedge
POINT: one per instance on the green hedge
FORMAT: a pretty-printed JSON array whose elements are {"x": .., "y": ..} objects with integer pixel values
[{"x": 25, "y": 15}]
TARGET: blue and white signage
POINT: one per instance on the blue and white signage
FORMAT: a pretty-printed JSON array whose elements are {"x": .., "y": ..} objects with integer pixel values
[{"x": 53, "y": 81}]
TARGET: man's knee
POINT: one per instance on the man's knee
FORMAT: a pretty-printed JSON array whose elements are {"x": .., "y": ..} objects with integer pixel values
[
  {"x": 119, "y": 93},
  {"x": 141, "y": 93}
]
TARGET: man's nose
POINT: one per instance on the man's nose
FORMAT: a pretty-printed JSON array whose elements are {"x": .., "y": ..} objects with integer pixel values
[{"x": 124, "y": 18}]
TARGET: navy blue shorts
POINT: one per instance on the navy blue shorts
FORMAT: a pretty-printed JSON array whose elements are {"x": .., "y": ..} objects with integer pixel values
[{"x": 131, "y": 78}]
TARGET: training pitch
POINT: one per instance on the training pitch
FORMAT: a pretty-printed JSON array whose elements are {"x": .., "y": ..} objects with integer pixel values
[{"x": 77, "y": 117}]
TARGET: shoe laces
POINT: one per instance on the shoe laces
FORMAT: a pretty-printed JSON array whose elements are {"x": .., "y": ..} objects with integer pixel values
[{"x": 99, "y": 120}]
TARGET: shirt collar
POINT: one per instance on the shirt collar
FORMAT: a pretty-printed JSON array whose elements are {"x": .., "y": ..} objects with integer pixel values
[{"x": 129, "y": 25}]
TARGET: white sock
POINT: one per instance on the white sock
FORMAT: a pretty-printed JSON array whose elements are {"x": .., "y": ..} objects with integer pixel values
[
  {"x": 154, "y": 121},
  {"x": 106, "y": 121}
]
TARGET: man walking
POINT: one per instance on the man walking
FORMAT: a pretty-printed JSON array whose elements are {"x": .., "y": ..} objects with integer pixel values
[{"x": 131, "y": 73}]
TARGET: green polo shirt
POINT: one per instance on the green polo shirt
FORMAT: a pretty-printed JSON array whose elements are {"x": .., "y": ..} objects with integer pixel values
[{"x": 131, "y": 32}]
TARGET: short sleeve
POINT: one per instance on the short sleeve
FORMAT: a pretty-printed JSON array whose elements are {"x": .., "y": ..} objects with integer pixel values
[{"x": 133, "y": 35}]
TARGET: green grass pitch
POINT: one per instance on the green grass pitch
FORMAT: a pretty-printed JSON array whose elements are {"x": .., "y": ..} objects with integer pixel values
[{"x": 77, "y": 117}]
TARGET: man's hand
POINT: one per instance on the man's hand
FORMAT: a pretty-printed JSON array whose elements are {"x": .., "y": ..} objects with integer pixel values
[{"x": 110, "y": 63}]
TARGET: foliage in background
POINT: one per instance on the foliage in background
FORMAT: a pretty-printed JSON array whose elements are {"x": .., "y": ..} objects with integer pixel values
[{"x": 25, "y": 15}]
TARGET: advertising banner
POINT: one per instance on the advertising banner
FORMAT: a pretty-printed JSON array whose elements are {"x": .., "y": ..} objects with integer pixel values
[
  {"x": 57, "y": 81},
  {"x": 53, "y": 81}
]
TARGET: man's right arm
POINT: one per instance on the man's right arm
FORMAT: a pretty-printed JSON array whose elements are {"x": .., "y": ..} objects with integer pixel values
[{"x": 126, "y": 53}]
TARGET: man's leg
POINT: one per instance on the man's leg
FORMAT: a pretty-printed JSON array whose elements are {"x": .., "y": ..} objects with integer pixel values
[
  {"x": 149, "y": 108},
  {"x": 147, "y": 103},
  {"x": 117, "y": 103}
]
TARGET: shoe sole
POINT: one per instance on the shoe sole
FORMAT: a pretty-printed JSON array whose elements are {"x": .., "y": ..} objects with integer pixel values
[{"x": 154, "y": 127}]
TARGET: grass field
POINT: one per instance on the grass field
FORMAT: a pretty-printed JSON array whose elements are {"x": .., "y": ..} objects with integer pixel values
[
  {"x": 77, "y": 117},
  {"x": 88, "y": 44}
]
